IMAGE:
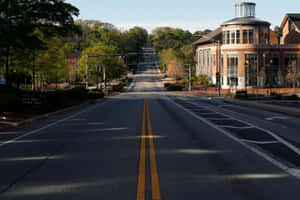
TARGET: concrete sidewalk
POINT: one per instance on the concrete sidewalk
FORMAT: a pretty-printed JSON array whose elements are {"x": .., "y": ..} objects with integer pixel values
[{"x": 260, "y": 105}]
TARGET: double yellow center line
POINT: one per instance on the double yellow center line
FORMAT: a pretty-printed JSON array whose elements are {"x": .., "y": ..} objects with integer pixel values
[{"x": 141, "y": 188}]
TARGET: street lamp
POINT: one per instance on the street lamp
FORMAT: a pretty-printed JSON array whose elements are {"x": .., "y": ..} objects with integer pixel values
[{"x": 246, "y": 75}]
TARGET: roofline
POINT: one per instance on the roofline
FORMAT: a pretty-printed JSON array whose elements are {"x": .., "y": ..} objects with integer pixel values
[
  {"x": 284, "y": 21},
  {"x": 207, "y": 38},
  {"x": 286, "y": 18},
  {"x": 245, "y": 3}
]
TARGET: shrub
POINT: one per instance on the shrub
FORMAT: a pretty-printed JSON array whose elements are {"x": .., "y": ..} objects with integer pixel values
[
  {"x": 117, "y": 88},
  {"x": 203, "y": 80},
  {"x": 95, "y": 94},
  {"x": 166, "y": 85},
  {"x": 175, "y": 87},
  {"x": 290, "y": 97},
  {"x": 10, "y": 99},
  {"x": 77, "y": 93}
]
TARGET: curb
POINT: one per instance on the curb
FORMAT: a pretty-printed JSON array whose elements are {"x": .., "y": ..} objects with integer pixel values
[
  {"x": 273, "y": 108},
  {"x": 43, "y": 116}
]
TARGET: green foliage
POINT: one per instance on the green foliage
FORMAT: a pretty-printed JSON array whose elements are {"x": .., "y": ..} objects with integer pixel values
[
  {"x": 136, "y": 38},
  {"x": 168, "y": 56},
  {"x": 175, "y": 87},
  {"x": 95, "y": 94},
  {"x": 118, "y": 88},
  {"x": 125, "y": 82},
  {"x": 199, "y": 34},
  {"x": 278, "y": 31},
  {"x": 169, "y": 38},
  {"x": 114, "y": 66},
  {"x": 203, "y": 81},
  {"x": 51, "y": 17},
  {"x": 51, "y": 62}
]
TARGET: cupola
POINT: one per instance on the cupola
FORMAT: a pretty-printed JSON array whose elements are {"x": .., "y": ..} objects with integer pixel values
[{"x": 245, "y": 9}]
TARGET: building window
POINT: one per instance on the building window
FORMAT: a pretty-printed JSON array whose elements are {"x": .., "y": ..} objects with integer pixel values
[
  {"x": 205, "y": 62},
  {"x": 251, "y": 69},
  {"x": 232, "y": 37},
  {"x": 227, "y": 37},
  {"x": 248, "y": 36},
  {"x": 232, "y": 66},
  {"x": 290, "y": 61},
  {"x": 264, "y": 37},
  {"x": 208, "y": 62},
  {"x": 238, "y": 37},
  {"x": 273, "y": 77}
]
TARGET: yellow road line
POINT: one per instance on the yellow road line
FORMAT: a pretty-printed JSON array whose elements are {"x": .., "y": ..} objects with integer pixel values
[
  {"x": 141, "y": 189},
  {"x": 154, "y": 172}
]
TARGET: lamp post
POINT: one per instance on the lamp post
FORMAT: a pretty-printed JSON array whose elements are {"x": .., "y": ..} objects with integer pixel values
[
  {"x": 271, "y": 85},
  {"x": 87, "y": 73},
  {"x": 246, "y": 75}
]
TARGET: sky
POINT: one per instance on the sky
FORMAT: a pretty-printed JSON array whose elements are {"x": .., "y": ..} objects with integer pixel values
[{"x": 189, "y": 15}]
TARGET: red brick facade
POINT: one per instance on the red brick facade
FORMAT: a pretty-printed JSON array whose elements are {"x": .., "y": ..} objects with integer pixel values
[{"x": 251, "y": 54}]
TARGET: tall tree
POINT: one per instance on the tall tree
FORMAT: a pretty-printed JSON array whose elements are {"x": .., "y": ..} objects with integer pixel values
[
  {"x": 20, "y": 18},
  {"x": 136, "y": 38},
  {"x": 166, "y": 38}
]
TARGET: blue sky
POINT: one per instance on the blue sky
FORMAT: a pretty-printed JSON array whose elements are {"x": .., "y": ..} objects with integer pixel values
[{"x": 186, "y": 14}]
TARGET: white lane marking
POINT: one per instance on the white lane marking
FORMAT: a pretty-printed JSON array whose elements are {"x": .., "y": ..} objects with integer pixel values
[
  {"x": 260, "y": 142},
  {"x": 236, "y": 127},
  {"x": 276, "y": 117},
  {"x": 291, "y": 171},
  {"x": 292, "y": 147},
  {"x": 49, "y": 125}
]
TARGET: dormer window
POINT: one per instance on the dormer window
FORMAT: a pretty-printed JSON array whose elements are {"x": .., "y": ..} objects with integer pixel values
[{"x": 245, "y": 9}]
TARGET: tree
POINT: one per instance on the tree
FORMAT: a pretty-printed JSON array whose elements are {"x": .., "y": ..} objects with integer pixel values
[
  {"x": 20, "y": 18},
  {"x": 136, "y": 38},
  {"x": 113, "y": 65},
  {"x": 51, "y": 62},
  {"x": 166, "y": 38},
  {"x": 278, "y": 31},
  {"x": 86, "y": 28},
  {"x": 107, "y": 37}
]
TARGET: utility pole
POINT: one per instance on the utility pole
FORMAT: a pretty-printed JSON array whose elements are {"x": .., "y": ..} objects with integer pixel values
[
  {"x": 190, "y": 78},
  {"x": 97, "y": 73},
  {"x": 87, "y": 73},
  {"x": 219, "y": 69},
  {"x": 104, "y": 74}
]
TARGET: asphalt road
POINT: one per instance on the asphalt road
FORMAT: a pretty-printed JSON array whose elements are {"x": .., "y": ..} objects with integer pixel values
[{"x": 150, "y": 144}]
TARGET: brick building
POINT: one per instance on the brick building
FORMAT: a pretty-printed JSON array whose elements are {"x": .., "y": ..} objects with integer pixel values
[
  {"x": 247, "y": 53},
  {"x": 73, "y": 60}
]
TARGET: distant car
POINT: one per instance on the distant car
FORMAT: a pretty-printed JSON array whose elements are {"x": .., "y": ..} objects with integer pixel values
[{"x": 2, "y": 81}]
